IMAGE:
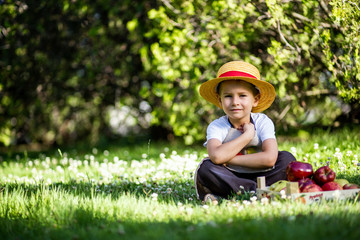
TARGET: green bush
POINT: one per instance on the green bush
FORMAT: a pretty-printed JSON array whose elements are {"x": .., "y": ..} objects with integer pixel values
[{"x": 68, "y": 67}]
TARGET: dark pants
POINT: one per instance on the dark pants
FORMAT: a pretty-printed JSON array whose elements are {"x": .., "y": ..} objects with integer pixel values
[{"x": 219, "y": 180}]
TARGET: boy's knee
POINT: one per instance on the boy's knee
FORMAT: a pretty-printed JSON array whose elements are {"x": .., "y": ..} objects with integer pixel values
[
  {"x": 288, "y": 156},
  {"x": 285, "y": 158},
  {"x": 204, "y": 168}
]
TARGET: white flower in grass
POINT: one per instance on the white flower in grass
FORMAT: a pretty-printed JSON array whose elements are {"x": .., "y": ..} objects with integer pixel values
[
  {"x": 212, "y": 224},
  {"x": 240, "y": 208},
  {"x": 246, "y": 202},
  {"x": 275, "y": 203},
  {"x": 264, "y": 201},
  {"x": 154, "y": 196},
  {"x": 355, "y": 162},
  {"x": 94, "y": 151},
  {"x": 349, "y": 153},
  {"x": 189, "y": 210},
  {"x": 292, "y": 218},
  {"x": 253, "y": 199},
  {"x": 316, "y": 146},
  {"x": 282, "y": 194}
]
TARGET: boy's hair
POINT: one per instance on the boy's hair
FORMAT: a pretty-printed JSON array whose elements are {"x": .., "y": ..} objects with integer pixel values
[{"x": 254, "y": 89}]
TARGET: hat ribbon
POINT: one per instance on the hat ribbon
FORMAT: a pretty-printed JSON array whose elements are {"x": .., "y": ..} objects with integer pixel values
[{"x": 236, "y": 74}]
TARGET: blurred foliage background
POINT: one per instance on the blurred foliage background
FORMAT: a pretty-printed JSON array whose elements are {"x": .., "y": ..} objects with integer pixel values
[{"x": 85, "y": 70}]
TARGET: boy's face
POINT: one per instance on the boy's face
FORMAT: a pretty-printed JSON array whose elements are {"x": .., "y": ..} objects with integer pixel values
[{"x": 237, "y": 100}]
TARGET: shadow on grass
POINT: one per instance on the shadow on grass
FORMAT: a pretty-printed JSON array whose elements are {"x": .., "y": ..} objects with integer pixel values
[
  {"x": 83, "y": 225},
  {"x": 173, "y": 192}
]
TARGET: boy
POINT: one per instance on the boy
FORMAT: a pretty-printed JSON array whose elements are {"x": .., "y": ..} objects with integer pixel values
[{"x": 241, "y": 145}]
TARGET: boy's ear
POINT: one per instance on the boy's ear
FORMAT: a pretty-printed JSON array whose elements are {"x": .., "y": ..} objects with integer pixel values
[
  {"x": 219, "y": 98},
  {"x": 257, "y": 99}
]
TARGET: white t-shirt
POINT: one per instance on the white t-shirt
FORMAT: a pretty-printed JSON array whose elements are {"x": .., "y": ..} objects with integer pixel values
[{"x": 219, "y": 128}]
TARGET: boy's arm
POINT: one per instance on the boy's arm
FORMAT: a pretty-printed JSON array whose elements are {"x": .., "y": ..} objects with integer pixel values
[
  {"x": 266, "y": 158},
  {"x": 220, "y": 153}
]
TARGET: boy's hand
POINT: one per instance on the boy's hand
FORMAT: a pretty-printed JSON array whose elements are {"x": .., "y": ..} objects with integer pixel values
[{"x": 248, "y": 128}]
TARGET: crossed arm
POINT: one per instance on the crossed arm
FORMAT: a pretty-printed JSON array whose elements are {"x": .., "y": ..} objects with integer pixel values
[{"x": 220, "y": 153}]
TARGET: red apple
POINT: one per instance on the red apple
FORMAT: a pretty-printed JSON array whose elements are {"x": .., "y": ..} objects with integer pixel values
[
  {"x": 312, "y": 188},
  {"x": 298, "y": 170},
  {"x": 351, "y": 186},
  {"x": 304, "y": 182},
  {"x": 323, "y": 175},
  {"x": 331, "y": 186}
]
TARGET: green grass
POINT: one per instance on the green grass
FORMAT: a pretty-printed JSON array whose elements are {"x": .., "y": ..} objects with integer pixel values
[{"x": 145, "y": 191}]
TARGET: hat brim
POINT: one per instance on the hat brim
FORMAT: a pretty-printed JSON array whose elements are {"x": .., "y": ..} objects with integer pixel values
[{"x": 267, "y": 91}]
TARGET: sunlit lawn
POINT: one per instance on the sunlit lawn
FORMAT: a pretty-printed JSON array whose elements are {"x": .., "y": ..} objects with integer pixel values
[{"x": 145, "y": 191}]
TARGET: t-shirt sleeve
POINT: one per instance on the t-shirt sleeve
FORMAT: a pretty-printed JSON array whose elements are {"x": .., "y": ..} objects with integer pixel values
[
  {"x": 265, "y": 128},
  {"x": 215, "y": 130}
]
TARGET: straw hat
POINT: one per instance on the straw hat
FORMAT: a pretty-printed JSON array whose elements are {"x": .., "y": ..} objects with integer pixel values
[{"x": 239, "y": 70}]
